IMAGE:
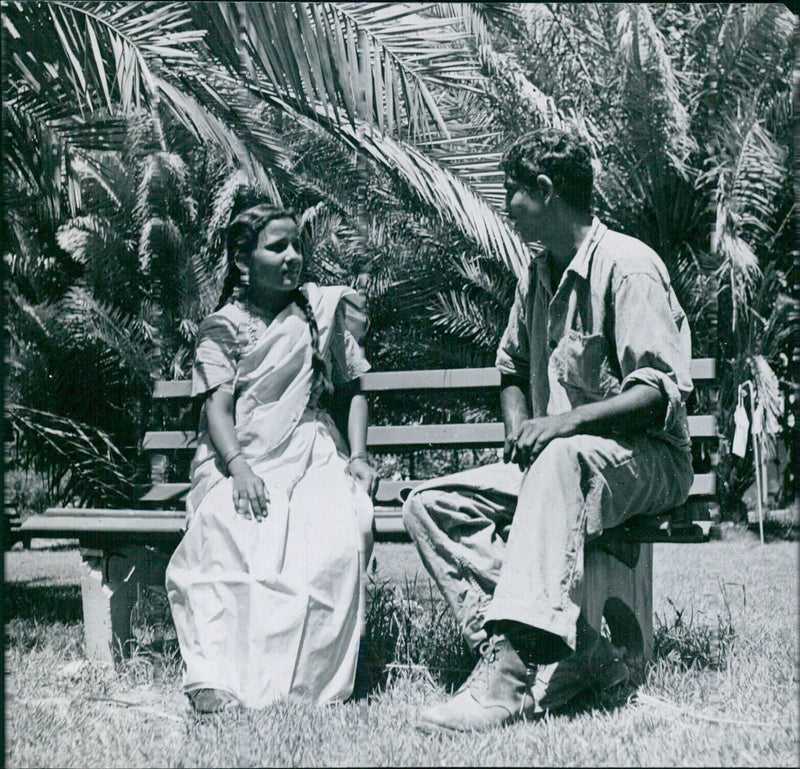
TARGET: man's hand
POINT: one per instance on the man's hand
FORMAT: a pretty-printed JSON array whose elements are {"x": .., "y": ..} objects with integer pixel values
[
  {"x": 250, "y": 495},
  {"x": 524, "y": 444},
  {"x": 364, "y": 475}
]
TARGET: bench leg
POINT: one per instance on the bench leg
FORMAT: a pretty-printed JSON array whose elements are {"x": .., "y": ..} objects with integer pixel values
[
  {"x": 623, "y": 596},
  {"x": 107, "y": 608},
  {"x": 110, "y": 585}
]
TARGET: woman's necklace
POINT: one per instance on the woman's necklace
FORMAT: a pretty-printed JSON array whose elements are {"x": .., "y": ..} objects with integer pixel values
[
  {"x": 251, "y": 326},
  {"x": 266, "y": 317}
]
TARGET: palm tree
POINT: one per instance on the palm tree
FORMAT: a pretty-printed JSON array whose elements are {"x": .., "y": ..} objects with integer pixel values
[
  {"x": 82, "y": 79},
  {"x": 687, "y": 111}
]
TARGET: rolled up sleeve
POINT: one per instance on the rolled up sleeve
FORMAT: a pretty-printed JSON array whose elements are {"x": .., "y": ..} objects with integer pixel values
[
  {"x": 513, "y": 353},
  {"x": 653, "y": 341}
]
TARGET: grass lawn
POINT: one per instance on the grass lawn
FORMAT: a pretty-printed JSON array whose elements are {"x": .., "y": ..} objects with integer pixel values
[{"x": 63, "y": 711}]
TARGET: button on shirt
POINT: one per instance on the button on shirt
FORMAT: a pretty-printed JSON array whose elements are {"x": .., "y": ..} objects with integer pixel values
[{"x": 614, "y": 321}]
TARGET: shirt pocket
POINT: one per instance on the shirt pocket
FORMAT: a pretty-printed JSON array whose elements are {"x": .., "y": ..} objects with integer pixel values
[{"x": 583, "y": 367}]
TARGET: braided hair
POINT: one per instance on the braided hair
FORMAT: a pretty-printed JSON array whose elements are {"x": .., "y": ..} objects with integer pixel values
[
  {"x": 321, "y": 385},
  {"x": 241, "y": 240}
]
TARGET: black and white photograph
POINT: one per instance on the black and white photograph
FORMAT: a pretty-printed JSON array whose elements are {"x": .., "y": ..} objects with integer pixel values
[{"x": 400, "y": 384}]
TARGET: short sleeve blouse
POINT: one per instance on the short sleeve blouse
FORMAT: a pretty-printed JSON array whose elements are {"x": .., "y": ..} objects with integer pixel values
[{"x": 217, "y": 352}]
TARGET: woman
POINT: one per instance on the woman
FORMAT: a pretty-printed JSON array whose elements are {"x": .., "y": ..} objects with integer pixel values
[{"x": 265, "y": 587}]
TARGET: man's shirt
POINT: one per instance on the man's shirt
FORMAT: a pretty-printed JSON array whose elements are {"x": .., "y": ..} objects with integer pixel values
[{"x": 614, "y": 321}]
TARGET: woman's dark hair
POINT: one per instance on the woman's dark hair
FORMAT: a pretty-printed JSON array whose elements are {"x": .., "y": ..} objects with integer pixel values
[
  {"x": 561, "y": 155},
  {"x": 241, "y": 239}
]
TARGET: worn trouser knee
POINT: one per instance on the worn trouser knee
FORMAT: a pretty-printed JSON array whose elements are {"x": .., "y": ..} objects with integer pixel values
[{"x": 454, "y": 532}]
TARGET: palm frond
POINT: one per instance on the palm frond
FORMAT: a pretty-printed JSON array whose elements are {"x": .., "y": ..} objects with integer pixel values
[
  {"x": 770, "y": 398},
  {"x": 409, "y": 346},
  {"x": 238, "y": 133},
  {"x": 653, "y": 96},
  {"x": 86, "y": 320},
  {"x": 106, "y": 52},
  {"x": 86, "y": 234},
  {"x": 93, "y": 469},
  {"x": 161, "y": 243},
  {"x": 751, "y": 41},
  {"x": 26, "y": 321},
  {"x": 374, "y": 61},
  {"x": 538, "y": 108},
  {"x": 755, "y": 175},
  {"x": 481, "y": 19},
  {"x": 458, "y": 314},
  {"x": 493, "y": 280}
]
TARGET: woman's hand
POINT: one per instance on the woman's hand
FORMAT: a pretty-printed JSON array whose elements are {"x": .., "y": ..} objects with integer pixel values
[
  {"x": 364, "y": 475},
  {"x": 250, "y": 495}
]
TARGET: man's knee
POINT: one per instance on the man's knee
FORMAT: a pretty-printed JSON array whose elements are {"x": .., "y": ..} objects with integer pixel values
[{"x": 559, "y": 456}]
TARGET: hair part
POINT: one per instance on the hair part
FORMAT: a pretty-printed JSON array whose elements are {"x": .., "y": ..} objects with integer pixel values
[{"x": 562, "y": 156}]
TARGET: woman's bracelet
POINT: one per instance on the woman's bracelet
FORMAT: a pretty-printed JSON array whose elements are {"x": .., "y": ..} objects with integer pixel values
[
  {"x": 229, "y": 457},
  {"x": 360, "y": 455}
]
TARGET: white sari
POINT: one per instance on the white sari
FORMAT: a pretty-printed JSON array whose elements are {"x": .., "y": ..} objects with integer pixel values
[{"x": 270, "y": 609}]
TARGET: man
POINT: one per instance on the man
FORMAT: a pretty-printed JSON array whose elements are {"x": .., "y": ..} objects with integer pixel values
[{"x": 594, "y": 373}]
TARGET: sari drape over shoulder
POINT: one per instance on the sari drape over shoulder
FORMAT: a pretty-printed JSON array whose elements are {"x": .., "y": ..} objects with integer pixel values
[{"x": 270, "y": 609}]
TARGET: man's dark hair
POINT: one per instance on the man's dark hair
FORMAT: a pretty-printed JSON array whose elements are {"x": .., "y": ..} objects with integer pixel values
[{"x": 561, "y": 155}]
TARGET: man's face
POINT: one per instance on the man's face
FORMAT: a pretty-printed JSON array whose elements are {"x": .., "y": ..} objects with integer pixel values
[{"x": 525, "y": 209}]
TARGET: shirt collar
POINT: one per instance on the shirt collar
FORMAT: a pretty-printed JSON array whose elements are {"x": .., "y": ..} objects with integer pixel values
[{"x": 583, "y": 256}]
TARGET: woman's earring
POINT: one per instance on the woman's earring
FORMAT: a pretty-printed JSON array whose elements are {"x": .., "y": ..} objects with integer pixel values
[{"x": 241, "y": 289}]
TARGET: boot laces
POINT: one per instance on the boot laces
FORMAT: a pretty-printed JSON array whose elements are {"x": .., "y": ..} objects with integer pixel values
[{"x": 488, "y": 651}]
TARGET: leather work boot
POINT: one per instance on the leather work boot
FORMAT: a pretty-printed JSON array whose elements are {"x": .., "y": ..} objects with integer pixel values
[
  {"x": 597, "y": 667},
  {"x": 497, "y": 692}
]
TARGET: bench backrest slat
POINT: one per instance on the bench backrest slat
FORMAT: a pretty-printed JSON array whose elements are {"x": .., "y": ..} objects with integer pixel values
[
  {"x": 467, "y": 435},
  {"x": 703, "y": 369}
]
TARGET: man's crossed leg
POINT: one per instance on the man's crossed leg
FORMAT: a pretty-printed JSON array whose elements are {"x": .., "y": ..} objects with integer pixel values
[{"x": 506, "y": 551}]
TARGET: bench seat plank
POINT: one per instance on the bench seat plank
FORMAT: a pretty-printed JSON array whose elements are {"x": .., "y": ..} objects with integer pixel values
[
  {"x": 101, "y": 521},
  {"x": 112, "y": 512},
  {"x": 704, "y": 485}
]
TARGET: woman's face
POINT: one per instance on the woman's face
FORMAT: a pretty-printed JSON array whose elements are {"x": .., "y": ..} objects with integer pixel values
[{"x": 276, "y": 261}]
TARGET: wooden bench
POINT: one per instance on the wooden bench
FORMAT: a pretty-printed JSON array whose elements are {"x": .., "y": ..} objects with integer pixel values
[
  {"x": 125, "y": 550},
  {"x": 12, "y": 523}
]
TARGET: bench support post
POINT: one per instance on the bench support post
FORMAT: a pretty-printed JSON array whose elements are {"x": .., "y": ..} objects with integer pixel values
[
  {"x": 623, "y": 596},
  {"x": 110, "y": 583}
]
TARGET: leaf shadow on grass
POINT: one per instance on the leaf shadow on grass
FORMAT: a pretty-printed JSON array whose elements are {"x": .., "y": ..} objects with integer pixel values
[{"x": 45, "y": 603}]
